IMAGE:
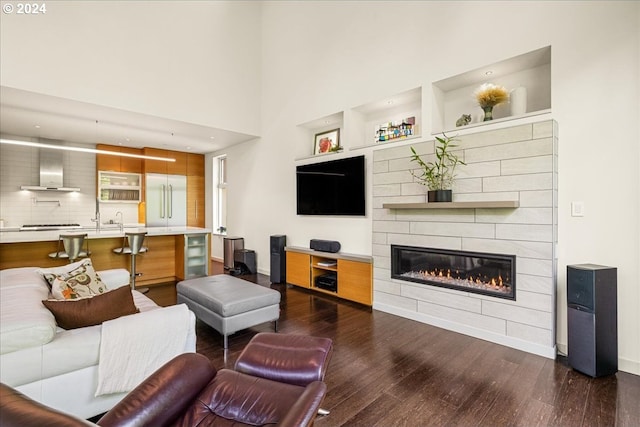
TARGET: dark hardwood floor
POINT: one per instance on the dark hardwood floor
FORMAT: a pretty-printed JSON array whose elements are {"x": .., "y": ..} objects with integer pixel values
[{"x": 391, "y": 371}]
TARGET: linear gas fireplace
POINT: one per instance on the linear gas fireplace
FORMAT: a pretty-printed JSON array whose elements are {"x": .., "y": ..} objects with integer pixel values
[{"x": 482, "y": 273}]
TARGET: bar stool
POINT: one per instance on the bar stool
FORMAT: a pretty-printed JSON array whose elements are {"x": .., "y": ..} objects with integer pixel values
[
  {"x": 72, "y": 244},
  {"x": 135, "y": 247}
]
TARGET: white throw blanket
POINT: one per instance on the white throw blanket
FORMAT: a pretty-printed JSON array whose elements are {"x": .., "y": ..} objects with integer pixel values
[{"x": 134, "y": 346}]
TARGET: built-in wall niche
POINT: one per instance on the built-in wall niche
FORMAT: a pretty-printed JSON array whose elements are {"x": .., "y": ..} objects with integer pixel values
[
  {"x": 306, "y": 132},
  {"x": 394, "y": 118},
  {"x": 454, "y": 96}
]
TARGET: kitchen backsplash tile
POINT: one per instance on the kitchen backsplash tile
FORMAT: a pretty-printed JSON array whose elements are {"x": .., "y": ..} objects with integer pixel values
[{"x": 20, "y": 166}]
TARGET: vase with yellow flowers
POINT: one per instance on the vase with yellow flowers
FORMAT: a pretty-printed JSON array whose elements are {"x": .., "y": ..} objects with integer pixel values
[{"x": 488, "y": 96}]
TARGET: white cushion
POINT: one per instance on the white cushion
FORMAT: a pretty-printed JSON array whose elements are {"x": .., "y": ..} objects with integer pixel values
[
  {"x": 115, "y": 277},
  {"x": 71, "y": 350},
  {"x": 18, "y": 277},
  {"x": 25, "y": 322}
]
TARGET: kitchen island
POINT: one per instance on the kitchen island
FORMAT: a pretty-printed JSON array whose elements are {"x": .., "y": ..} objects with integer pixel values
[{"x": 168, "y": 259}]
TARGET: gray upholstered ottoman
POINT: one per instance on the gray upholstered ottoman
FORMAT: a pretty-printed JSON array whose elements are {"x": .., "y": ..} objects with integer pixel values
[{"x": 229, "y": 304}]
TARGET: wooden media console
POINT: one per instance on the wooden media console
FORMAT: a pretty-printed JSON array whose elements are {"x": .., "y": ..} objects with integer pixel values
[{"x": 353, "y": 273}]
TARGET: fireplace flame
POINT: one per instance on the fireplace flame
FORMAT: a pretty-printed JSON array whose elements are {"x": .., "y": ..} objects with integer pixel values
[
  {"x": 488, "y": 274},
  {"x": 445, "y": 276}
]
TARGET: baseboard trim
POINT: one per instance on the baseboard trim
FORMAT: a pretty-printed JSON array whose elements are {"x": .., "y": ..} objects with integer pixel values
[
  {"x": 540, "y": 350},
  {"x": 630, "y": 366},
  {"x": 625, "y": 365}
]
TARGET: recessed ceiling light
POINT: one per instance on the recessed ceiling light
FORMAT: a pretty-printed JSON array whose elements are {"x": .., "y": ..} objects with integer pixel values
[
  {"x": 488, "y": 73},
  {"x": 212, "y": 137},
  {"x": 326, "y": 122},
  {"x": 390, "y": 101},
  {"x": 37, "y": 126}
]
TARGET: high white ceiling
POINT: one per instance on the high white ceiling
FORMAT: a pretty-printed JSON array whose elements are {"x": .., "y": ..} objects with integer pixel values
[{"x": 34, "y": 115}]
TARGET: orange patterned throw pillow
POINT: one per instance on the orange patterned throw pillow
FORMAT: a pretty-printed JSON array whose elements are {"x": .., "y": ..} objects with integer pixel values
[
  {"x": 83, "y": 312},
  {"x": 74, "y": 281}
]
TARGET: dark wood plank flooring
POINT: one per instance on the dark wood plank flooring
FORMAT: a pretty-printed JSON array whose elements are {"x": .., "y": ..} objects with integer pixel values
[{"x": 391, "y": 371}]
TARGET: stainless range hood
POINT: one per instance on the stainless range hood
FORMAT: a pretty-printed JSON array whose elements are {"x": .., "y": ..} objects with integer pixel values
[{"x": 51, "y": 173}]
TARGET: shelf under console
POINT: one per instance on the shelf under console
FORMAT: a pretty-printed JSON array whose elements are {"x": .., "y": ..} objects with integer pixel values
[{"x": 347, "y": 276}]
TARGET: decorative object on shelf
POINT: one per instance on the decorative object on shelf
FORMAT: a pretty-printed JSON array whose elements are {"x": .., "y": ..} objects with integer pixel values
[
  {"x": 438, "y": 176},
  {"x": 464, "y": 120},
  {"x": 488, "y": 96},
  {"x": 395, "y": 130},
  {"x": 327, "y": 142},
  {"x": 439, "y": 196},
  {"x": 518, "y": 101},
  {"x": 488, "y": 113}
]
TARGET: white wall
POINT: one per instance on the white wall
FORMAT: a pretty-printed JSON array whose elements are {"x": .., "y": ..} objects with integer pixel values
[
  {"x": 324, "y": 57},
  {"x": 195, "y": 61}
]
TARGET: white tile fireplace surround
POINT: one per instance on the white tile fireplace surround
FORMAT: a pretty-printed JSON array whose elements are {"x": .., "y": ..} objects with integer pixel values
[{"x": 518, "y": 164}]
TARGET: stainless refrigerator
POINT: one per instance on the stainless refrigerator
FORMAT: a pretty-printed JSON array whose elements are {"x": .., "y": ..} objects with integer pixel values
[{"x": 166, "y": 200}]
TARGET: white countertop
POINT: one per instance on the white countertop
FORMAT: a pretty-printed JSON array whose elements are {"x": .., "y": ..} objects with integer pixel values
[{"x": 12, "y": 235}]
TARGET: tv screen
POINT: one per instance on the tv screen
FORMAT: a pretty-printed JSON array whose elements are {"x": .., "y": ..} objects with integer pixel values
[{"x": 331, "y": 188}]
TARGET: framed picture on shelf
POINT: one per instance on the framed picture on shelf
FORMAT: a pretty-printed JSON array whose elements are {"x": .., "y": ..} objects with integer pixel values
[{"x": 327, "y": 142}]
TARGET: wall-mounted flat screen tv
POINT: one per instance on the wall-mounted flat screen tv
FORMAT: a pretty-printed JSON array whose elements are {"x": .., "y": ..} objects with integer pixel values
[{"x": 335, "y": 187}]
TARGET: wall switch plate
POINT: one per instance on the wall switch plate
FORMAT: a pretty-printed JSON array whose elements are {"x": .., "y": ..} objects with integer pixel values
[{"x": 577, "y": 208}]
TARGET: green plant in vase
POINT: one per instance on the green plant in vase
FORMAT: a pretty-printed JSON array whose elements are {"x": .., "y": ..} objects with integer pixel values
[
  {"x": 438, "y": 176},
  {"x": 488, "y": 96}
]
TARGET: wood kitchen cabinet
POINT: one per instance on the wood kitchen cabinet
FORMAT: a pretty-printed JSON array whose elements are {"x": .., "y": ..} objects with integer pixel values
[
  {"x": 120, "y": 164},
  {"x": 130, "y": 164},
  {"x": 187, "y": 164},
  {"x": 106, "y": 162},
  {"x": 195, "y": 190},
  {"x": 179, "y": 167}
]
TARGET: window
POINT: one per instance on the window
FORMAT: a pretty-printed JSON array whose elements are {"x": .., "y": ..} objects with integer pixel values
[{"x": 220, "y": 196}]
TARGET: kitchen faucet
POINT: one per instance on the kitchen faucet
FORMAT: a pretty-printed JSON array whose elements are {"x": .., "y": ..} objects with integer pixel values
[
  {"x": 121, "y": 223},
  {"x": 97, "y": 218}
]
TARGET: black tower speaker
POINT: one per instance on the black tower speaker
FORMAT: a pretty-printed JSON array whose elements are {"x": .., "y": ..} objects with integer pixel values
[
  {"x": 278, "y": 259},
  {"x": 592, "y": 311}
]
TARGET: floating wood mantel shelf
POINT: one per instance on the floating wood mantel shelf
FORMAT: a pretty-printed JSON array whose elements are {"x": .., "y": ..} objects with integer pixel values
[{"x": 455, "y": 205}]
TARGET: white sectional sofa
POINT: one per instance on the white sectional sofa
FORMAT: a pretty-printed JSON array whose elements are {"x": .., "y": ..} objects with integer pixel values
[{"x": 51, "y": 365}]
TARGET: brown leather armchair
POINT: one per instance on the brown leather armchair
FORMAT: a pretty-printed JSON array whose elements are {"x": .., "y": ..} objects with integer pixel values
[{"x": 268, "y": 386}]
